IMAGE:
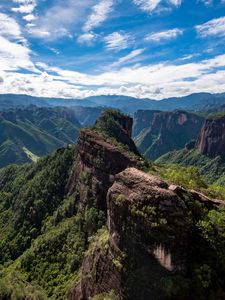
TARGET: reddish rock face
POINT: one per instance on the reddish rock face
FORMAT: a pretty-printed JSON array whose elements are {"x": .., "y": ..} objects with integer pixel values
[
  {"x": 169, "y": 131},
  {"x": 144, "y": 236},
  {"x": 150, "y": 236},
  {"x": 211, "y": 141},
  {"x": 126, "y": 123},
  {"x": 96, "y": 163},
  {"x": 136, "y": 201}
]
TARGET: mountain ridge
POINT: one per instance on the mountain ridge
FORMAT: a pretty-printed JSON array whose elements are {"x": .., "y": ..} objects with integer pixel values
[{"x": 194, "y": 102}]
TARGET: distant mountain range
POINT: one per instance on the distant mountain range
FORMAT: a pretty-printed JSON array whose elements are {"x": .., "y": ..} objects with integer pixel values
[
  {"x": 26, "y": 134},
  {"x": 193, "y": 102}
]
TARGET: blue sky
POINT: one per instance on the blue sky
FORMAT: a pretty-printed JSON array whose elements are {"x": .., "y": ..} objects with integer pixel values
[{"x": 142, "y": 48}]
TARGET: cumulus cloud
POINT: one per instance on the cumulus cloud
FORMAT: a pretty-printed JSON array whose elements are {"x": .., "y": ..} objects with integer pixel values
[
  {"x": 152, "y": 81},
  {"x": 29, "y": 18},
  {"x": 164, "y": 35},
  {"x": 214, "y": 27},
  {"x": 117, "y": 41},
  {"x": 25, "y": 6}
]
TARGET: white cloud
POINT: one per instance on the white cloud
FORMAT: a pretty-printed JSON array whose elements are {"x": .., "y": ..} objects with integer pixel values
[
  {"x": 164, "y": 35},
  {"x": 98, "y": 15},
  {"x": 207, "y": 2},
  {"x": 152, "y": 81},
  {"x": 25, "y": 6},
  {"x": 175, "y": 2},
  {"x": 117, "y": 41},
  {"x": 60, "y": 19},
  {"x": 9, "y": 28},
  {"x": 29, "y": 18},
  {"x": 14, "y": 56},
  {"x": 152, "y": 5},
  {"x": 214, "y": 27},
  {"x": 127, "y": 58},
  {"x": 186, "y": 57},
  {"x": 86, "y": 38},
  {"x": 14, "y": 52}
]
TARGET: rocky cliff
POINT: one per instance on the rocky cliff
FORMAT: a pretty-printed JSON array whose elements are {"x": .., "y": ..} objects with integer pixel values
[
  {"x": 151, "y": 238},
  {"x": 168, "y": 131},
  {"x": 211, "y": 141},
  {"x": 142, "y": 121},
  {"x": 99, "y": 157}
]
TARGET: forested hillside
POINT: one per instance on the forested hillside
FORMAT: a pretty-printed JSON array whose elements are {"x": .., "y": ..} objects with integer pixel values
[
  {"x": 94, "y": 221},
  {"x": 27, "y": 134}
]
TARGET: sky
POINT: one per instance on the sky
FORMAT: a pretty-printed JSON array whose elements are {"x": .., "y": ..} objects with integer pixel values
[{"x": 142, "y": 48}]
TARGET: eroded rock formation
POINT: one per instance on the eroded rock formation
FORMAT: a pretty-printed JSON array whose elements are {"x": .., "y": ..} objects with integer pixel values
[
  {"x": 211, "y": 141},
  {"x": 149, "y": 229},
  {"x": 168, "y": 131}
]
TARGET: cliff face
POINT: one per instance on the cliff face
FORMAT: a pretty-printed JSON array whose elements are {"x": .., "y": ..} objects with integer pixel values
[
  {"x": 169, "y": 131},
  {"x": 96, "y": 163},
  {"x": 151, "y": 238},
  {"x": 144, "y": 230},
  {"x": 97, "y": 160},
  {"x": 211, "y": 141},
  {"x": 142, "y": 121},
  {"x": 150, "y": 231}
]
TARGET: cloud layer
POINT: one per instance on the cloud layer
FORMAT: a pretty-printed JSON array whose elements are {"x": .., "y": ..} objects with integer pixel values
[{"x": 137, "y": 61}]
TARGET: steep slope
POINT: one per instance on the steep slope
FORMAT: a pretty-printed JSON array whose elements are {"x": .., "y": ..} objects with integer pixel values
[
  {"x": 167, "y": 131},
  {"x": 33, "y": 132},
  {"x": 154, "y": 245},
  {"x": 211, "y": 141},
  {"x": 142, "y": 121},
  {"x": 54, "y": 206},
  {"x": 207, "y": 154},
  {"x": 101, "y": 153},
  {"x": 87, "y": 221}
]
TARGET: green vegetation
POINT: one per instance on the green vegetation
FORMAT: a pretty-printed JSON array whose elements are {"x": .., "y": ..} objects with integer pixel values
[
  {"x": 43, "y": 236},
  {"x": 187, "y": 177},
  {"x": 215, "y": 116},
  {"x": 110, "y": 126},
  {"x": 107, "y": 296},
  {"x": 26, "y": 134},
  {"x": 213, "y": 169}
]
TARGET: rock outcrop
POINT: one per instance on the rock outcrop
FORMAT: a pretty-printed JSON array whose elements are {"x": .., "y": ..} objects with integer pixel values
[
  {"x": 168, "y": 131},
  {"x": 97, "y": 160},
  {"x": 151, "y": 237},
  {"x": 211, "y": 141},
  {"x": 149, "y": 232}
]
